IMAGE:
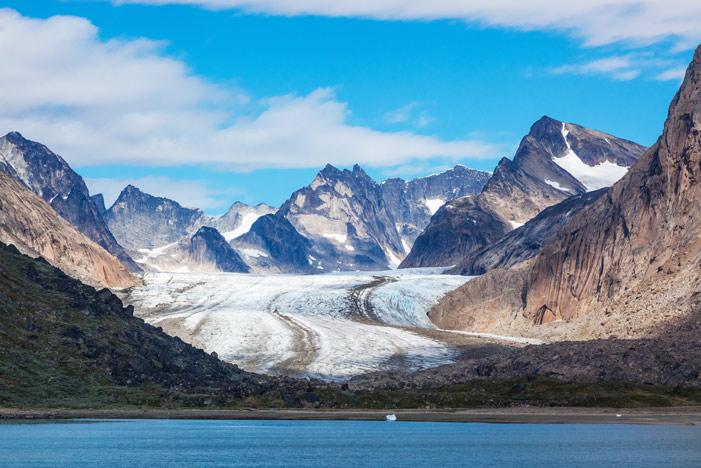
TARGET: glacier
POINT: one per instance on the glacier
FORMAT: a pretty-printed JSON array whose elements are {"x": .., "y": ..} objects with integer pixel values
[{"x": 330, "y": 326}]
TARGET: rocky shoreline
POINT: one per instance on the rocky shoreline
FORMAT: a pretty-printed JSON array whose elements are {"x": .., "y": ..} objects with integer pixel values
[{"x": 516, "y": 415}]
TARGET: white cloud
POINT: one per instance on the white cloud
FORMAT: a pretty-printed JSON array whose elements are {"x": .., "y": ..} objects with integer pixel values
[
  {"x": 597, "y": 22},
  {"x": 672, "y": 74},
  {"x": 625, "y": 67},
  {"x": 189, "y": 193},
  {"x": 619, "y": 68},
  {"x": 126, "y": 101},
  {"x": 415, "y": 113}
]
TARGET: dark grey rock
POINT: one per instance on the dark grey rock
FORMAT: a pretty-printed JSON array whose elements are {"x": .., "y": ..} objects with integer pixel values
[{"x": 49, "y": 176}]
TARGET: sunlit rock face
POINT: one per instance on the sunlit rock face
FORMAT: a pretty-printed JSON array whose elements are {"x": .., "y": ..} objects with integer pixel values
[{"x": 555, "y": 161}]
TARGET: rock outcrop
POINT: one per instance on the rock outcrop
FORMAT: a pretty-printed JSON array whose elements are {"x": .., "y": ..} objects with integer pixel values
[
  {"x": 49, "y": 176},
  {"x": 31, "y": 225},
  {"x": 273, "y": 245},
  {"x": 553, "y": 162},
  {"x": 528, "y": 240},
  {"x": 141, "y": 221},
  {"x": 205, "y": 251},
  {"x": 626, "y": 263}
]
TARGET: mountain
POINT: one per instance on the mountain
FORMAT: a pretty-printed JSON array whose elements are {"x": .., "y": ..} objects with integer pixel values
[
  {"x": 141, "y": 221},
  {"x": 343, "y": 220},
  {"x": 342, "y": 212},
  {"x": 554, "y": 161},
  {"x": 412, "y": 203},
  {"x": 274, "y": 245},
  {"x": 31, "y": 225},
  {"x": 622, "y": 266},
  {"x": 354, "y": 223},
  {"x": 238, "y": 219},
  {"x": 205, "y": 251},
  {"x": 49, "y": 176}
]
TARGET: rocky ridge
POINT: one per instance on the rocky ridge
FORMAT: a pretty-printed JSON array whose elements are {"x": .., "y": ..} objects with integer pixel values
[
  {"x": 33, "y": 227},
  {"x": 50, "y": 177},
  {"x": 521, "y": 188},
  {"x": 205, "y": 251}
]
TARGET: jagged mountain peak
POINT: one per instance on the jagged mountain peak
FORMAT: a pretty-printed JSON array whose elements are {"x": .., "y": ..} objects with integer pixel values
[
  {"x": 545, "y": 126},
  {"x": 48, "y": 175},
  {"x": 554, "y": 161},
  {"x": 330, "y": 170},
  {"x": 133, "y": 191},
  {"x": 142, "y": 221},
  {"x": 15, "y": 135}
]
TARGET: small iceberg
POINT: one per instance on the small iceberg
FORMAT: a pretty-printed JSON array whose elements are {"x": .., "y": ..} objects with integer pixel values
[{"x": 391, "y": 417}]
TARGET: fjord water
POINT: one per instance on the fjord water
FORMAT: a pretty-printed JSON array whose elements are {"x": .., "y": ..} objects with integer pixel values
[{"x": 150, "y": 443}]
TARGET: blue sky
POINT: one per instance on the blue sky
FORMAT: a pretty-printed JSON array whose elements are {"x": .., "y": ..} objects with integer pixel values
[{"x": 213, "y": 105}]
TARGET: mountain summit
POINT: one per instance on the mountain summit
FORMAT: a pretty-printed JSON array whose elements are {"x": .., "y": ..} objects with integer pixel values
[
  {"x": 622, "y": 266},
  {"x": 554, "y": 161},
  {"x": 49, "y": 176}
]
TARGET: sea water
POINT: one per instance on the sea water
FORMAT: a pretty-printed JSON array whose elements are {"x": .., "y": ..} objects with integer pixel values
[{"x": 207, "y": 443}]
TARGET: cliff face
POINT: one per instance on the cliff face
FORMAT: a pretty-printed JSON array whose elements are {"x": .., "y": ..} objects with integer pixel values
[
  {"x": 30, "y": 224},
  {"x": 528, "y": 240},
  {"x": 625, "y": 263},
  {"x": 645, "y": 233},
  {"x": 50, "y": 177},
  {"x": 274, "y": 245},
  {"x": 206, "y": 251}
]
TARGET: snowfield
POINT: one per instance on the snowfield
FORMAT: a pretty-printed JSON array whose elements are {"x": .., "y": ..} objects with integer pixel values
[
  {"x": 602, "y": 175},
  {"x": 331, "y": 326}
]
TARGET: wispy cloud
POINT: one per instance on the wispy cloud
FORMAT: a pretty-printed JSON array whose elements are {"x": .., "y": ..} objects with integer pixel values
[
  {"x": 127, "y": 101},
  {"x": 596, "y": 22},
  {"x": 416, "y": 113},
  {"x": 672, "y": 74},
  {"x": 624, "y": 67},
  {"x": 619, "y": 68}
]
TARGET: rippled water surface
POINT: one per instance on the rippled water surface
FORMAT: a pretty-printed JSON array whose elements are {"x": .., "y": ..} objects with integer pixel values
[{"x": 151, "y": 443}]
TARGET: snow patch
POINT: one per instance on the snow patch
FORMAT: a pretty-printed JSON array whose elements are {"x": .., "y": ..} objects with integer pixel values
[
  {"x": 340, "y": 238},
  {"x": 246, "y": 223},
  {"x": 254, "y": 253},
  {"x": 602, "y": 175},
  {"x": 554, "y": 184},
  {"x": 393, "y": 260},
  {"x": 515, "y": 224},
  {"x": 433, "y": 204},
  {"x": 154, "y": 253}
]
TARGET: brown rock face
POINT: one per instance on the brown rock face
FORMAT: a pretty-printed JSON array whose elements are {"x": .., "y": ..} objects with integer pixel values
[
  {"x": 31, "y": 225},
  {"x": 627, "y": 262},
  {"x": 644, "y": 232}
]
